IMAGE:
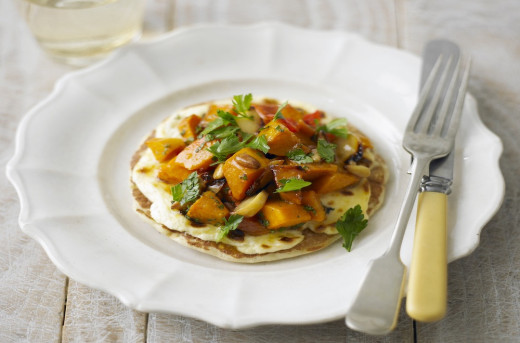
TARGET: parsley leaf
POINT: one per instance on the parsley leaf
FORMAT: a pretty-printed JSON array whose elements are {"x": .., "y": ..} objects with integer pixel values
[
  {"x": 187, "y": 191},
  {"x": 259, "y": 143},
  {"x": 299, "y": 156},
  {"x": 350, "y": 225},
  {"x": 292, "y": 184},
  {"x": 309, "y": 208},
  {"x": 222, "y": 132},
  {"x": 231, "y": 144},
  {"x": 221, "y": 150},
  {"x": 337, "y": 127},
  {"x": 224, "y": 118},
  {"x": 278, "y": 114},
  {"x": 227, "y": 117},
  {"x": 242, "y": 103},
  {"x": 230, "y": 224},
  {"x": 326, "y": 150}
]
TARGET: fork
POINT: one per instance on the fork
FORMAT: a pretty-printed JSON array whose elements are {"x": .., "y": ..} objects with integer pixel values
[{"x": 429, "y": 135}]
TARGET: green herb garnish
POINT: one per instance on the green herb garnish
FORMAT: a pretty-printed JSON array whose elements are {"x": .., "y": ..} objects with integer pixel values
[
  {"x": 299, "y": 156},
  {"x": 221, "y": 150},
  {"x": 309, "y": 208},
  {"x": 278, "y": 114},
  {"x": 222, "y": 132},
  {"x": 230, "y": 224},
  {"x": 187, "y": 191},
  {"x": 326, "y": 150},
  {"x": 259, "y": 143},
  {"x": 350, "y": 225},
  {"x": 337, "y": 127},
  {"x": 224, "y": 119},
  {"x": 241, "y": 104},
  {"x": 292, "y": 184}
]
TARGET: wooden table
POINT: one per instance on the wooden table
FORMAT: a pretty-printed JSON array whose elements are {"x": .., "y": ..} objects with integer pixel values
[{"x": 40, "y": 304}]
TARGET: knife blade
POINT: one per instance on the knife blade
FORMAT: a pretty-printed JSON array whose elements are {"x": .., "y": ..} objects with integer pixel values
[{"x": 427, "y": 282}]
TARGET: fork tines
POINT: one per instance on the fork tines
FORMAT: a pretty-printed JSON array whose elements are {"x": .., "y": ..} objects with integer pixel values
[{"x": 446, "y": 82}]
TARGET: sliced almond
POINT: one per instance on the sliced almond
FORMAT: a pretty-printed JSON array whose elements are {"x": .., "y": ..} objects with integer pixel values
[
  {"x": 252, "y": 205},
  {"x": 247, "y": 161},
  {"x": 358, "y": 170},
  {"x": 219, "y": 172}
]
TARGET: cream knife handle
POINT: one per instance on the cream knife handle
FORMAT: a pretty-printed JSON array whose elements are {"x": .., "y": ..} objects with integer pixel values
[{"x": 427, "y": 285}]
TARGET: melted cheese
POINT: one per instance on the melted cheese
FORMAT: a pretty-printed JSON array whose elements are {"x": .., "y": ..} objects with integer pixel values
[
  {"x": 339, "y": 203},
  {"x": 144, "y": 176}
]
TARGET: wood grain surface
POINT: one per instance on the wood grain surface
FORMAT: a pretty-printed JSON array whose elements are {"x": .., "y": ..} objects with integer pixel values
[{"x": 40, "y": 304}]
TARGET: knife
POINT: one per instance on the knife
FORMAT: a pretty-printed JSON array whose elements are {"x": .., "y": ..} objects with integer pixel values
[{"x": 427, "y": 283}]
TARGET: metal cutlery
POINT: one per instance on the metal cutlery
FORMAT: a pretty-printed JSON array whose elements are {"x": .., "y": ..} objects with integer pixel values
[{"x": 429, "y": 135}]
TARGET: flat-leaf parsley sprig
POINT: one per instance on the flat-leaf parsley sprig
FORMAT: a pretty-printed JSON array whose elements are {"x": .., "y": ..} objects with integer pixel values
[
  {"x": 230, "y": 224},
  {"x": 337, "y": 127},
  {"x": 241, "y": 105},
  {"x": 292, "y": 184},
  {"x": 187, "y": 191},
  {"x": 350, "y": 225}
]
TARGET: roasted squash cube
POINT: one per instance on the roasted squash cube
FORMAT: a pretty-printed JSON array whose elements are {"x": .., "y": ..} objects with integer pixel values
[
  {"x": 311, "y": 203},
  {"x": 213, "y": 110},
  {"x": 164, "y": 149},
  {"x": 172, "y": 172},
  {"x": 279, "y": 213},
  {"x": 305, "y": 129},
  {"x": 242, "y": 169},
  {"x": 279, "y": 138},
  {"x": 252, "y": 226},
  {"x": 312, "y": 171},
  {"x": 281, "y": 172},
  {"x": 196, "y": 156},
  {"x": 266, "y": 111},
  {"x": 208, "y": 209},
  {"x": 333, "y": 182},
  {"x": 188, "y": 126},
  {"x": 292, "y": 113}
]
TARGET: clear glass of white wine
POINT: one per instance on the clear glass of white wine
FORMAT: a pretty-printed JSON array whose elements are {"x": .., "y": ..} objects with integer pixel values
[{"x": 80, "y": 32}]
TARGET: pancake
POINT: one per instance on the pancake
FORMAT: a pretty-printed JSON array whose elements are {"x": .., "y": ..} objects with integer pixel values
[{"x": 153, "y": 198}]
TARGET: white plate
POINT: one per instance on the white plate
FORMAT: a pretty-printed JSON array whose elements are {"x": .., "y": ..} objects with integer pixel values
[{"x": 71, "y": 164}]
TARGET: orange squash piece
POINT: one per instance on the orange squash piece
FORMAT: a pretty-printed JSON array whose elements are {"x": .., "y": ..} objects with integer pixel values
[
  {"x": 164, "y": 149},
  {"x": 188, "y": 126},
  {"x": 281, "y": 173},
  {"x": 365, "y": 141},
  {"x": 252, "y": 227},
  {"x": 266, "y": 111},
  {"x": 279, "y": 138},
  {"x": 213, "y": 110},
  {"x": 289, "y": 112},
  {"x": 172, "y": 172},
  {"x": 279, "y": 213},
  {"x": 333, "y": 182},
  {"x": 311, "y": 199},
  {"x": 208, "y": 209},
  {"x": 196, "y": 156},
  {"x": 239, "y": 176},
  {"x": 311, "y": 171},
  {"x": 305, "y": 129}
]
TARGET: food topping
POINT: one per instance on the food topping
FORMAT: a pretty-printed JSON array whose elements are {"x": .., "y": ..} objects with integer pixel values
[{"x": 261, "y": 171}]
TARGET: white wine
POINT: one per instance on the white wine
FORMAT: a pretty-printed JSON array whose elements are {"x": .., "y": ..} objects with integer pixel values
[{"x": 79, "y": 31}]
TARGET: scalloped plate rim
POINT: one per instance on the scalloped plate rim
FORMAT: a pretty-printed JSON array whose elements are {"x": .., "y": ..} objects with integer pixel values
[{"x": 13, "y": 175}]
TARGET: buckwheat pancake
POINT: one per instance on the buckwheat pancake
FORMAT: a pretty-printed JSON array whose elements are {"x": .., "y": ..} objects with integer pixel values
[{"x": 253, "y": 179}]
